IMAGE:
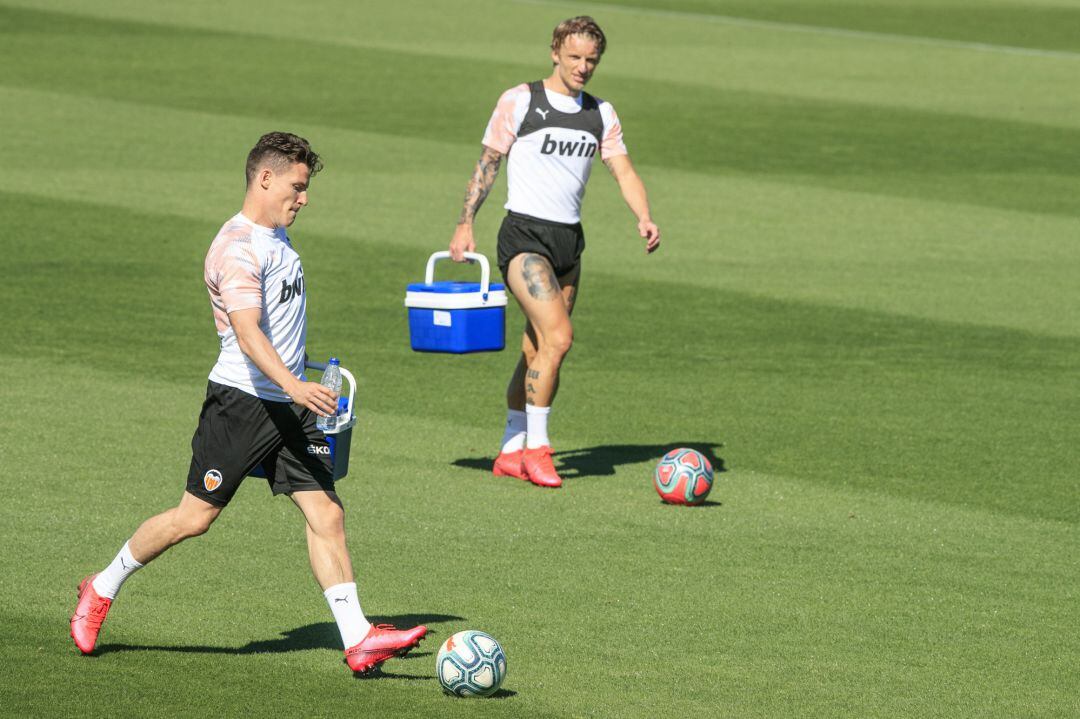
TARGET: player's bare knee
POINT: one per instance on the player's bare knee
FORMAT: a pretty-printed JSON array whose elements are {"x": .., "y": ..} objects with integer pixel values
[
  {"x": 332, "y": 523},
  {"x": 192, "y": 525},
  {"x": 557, "y": 344},
  {"x": 333, "y": 534},
  {"x": 328, "y": 522}
]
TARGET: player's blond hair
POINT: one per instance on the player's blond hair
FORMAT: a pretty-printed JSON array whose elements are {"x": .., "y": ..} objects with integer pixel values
[{"x": 580, "y": 25}]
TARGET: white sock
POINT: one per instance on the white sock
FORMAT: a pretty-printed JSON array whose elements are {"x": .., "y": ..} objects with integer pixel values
[
  {"x": 107, "y": 584},
  {"x": 514, "y": 436},
  {"x": 345, "y": 605},
  {"x": 537, "y": 419}
]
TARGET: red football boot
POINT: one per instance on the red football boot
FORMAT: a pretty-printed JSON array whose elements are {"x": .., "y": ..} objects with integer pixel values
[
  {"x": 381, "y": 643},
  {"x": 508, "y": 464},
  {"x": 89, "y": 615},
  {"x": 538, "y": 467}
]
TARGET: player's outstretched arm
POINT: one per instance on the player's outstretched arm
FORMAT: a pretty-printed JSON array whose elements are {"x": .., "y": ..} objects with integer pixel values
[
  {"x": 483, "y": 179},
  {"x": 256, "y": 346},
  {"x": 633, "y": 191}
]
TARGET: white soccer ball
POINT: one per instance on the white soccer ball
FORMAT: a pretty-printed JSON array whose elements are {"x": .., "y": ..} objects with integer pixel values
[{"x": 471, "y": 663}]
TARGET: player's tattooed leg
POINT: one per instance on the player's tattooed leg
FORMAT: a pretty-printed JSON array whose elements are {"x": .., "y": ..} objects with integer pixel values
[
  {"x": 530, "y": 389},
  {"x": 539, "y": 278}
]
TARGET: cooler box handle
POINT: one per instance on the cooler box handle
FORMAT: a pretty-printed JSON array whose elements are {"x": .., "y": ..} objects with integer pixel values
[{"x": 485, "y": 269}]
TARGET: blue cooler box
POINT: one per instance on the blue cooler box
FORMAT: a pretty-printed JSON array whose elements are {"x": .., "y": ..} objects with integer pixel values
[{"x": 457, "y": 317}]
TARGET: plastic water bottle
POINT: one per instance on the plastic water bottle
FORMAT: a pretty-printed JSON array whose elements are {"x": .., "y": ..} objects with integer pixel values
[{"x": 331, "y": 379}]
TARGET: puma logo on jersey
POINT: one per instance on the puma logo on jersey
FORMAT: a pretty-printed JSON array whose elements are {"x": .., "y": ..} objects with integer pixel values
[
  {"x": 542, "y": 113},
  {"x": 288, "y": 291},
  {"x": 565, "y": 148}
]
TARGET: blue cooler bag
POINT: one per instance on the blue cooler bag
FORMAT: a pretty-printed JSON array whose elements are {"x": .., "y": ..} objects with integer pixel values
[
  {"x": 457, "y": 317},
  {"x": 339, "y": 438}
]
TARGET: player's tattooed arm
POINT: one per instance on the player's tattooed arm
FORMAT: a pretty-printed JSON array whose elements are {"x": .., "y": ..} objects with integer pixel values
[{"x": 483, "y": 179}]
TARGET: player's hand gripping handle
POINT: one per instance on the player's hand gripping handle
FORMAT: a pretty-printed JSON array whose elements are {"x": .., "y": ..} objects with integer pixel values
[
  {"x": 349, "y": 380},
  {"x": 462, "y": 243},
  {"x": 485, "y": 268},
  {"x": 320, "y": 400}
]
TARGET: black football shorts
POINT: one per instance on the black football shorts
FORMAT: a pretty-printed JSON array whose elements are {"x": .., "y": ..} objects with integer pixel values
[
  {"x": 238, "y": 431},
  {"x": 560, "y": 243}
]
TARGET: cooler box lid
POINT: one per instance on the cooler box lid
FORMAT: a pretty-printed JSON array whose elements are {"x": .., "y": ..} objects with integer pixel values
[
  {"x": 448, "y": 295},
  {"x": 450, "y": 287}
]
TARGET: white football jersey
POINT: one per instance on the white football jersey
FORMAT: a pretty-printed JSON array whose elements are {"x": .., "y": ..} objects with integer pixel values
[
  {"x": 551, "y": 140},
  {"x": 251, "y": 266}
]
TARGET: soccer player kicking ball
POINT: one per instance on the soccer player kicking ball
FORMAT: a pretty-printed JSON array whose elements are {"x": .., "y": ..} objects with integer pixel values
[
  {"x": 551, "y": 129},
  {"x": 259, "y": 409}
]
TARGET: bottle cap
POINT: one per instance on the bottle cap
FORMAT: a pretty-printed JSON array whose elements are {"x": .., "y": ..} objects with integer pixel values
[{"x": 334, "y": 361}]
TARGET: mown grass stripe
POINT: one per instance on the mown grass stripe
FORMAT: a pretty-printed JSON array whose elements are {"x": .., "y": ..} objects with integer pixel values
[
  {"x": 844, "y": 396},
  {"x": 848, "y": 145},
  {"x": 811, "y": 29}
]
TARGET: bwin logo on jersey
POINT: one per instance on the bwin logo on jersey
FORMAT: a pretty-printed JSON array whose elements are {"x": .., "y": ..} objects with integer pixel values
[
  {"x": 566, "y": 148},
  {"x": 288, "y": 291}
]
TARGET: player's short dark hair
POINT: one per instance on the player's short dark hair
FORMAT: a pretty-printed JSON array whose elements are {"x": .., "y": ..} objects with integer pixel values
[
  {"x": 580, "y": 25},
  {"x": 280, "y": 150}
]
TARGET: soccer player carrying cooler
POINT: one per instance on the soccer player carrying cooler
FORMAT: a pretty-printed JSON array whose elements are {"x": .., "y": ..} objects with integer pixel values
[
  {"x": 551, "y": 130},
  {"x": 259, "y": 409}
]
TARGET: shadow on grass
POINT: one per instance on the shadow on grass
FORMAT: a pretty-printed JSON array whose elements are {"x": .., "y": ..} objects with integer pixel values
[
  {"x": 602, "y": 460},
  {"x": 323, "y": 635},
  {"x": 379, "y": 673},
  {"x": 501, "y": 694},
  {"x": 706, "y": 503}
]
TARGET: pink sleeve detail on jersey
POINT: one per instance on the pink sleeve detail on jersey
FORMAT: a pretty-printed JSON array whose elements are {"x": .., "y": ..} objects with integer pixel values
[
  {"x": 612, "y": 145},
  {"x": 233, "y": 276},
  {"x": 502, "y": 128},
  {"x": 240, "y": 284}
]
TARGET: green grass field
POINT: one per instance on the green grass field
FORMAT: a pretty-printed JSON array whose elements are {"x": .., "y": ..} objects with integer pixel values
[{"x": 866, "y": 307}]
